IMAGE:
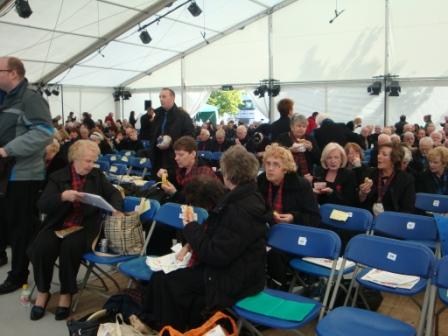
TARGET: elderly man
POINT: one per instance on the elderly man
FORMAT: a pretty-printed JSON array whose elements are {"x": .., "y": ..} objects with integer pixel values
[
  {"x": 220, "y": 143},
  {"x": 204, "y": 140},
  {"x": 409, "y": 138},
  {"x": 25, "y": 131},
  {"x": 437, "y": 138},
  {"x": 167, "y": 124},
  {"x": 419, "y": 158}
]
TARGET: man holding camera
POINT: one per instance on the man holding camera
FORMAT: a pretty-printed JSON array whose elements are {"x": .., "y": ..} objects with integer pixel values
[{"x": 166, "y": 124}]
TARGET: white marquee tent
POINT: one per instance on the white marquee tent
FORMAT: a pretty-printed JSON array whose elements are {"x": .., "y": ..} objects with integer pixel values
[{"x": 89, "y": 47}]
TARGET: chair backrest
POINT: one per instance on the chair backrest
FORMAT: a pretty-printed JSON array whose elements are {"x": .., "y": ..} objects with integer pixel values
[
  {"x": 431, "y": 202},
  {"x": 441, "y": 276},
  {"x": 359, "y": 220},
  {"x": 304, "y": 241},
  {"x": 216, "y": 156},
  {"x": 118, "y": 169},
  {"x": 171, "y": 214},
  {"x": 442, "y": 228},
  {"x": 406, "y": 226},
  {"x": 391, "y": 255},
  {"x": 140, "y": 163},
  {"x": 131, "y": 202},
  {"x": 204, "y": 155},
  {"x": 103, "y": 165},
  {"x": 126, "y": 152}
]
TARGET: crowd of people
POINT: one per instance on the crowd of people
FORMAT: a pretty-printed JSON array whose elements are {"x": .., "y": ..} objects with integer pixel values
[{"x": 304, "y": 161}]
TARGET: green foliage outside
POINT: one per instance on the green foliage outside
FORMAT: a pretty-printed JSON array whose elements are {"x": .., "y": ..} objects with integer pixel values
[{"x": 226, "y": 101}]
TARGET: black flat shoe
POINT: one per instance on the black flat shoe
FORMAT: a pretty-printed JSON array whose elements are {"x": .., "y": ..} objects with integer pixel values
[
  {"x": 61, "y": 313},
  {"x": 8, "y": 287},
  {"x": 37, "y": 312}
]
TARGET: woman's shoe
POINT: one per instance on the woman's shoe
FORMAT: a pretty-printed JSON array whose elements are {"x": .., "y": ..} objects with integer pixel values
[
  {"x": 61, "y": 313},
  {"x": 37, "y": 312}
]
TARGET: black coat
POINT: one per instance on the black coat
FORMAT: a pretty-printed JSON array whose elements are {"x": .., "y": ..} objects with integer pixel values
[
  {"x": 282, "y": 125},
  {"x": 233, "y": 247},
  {"x": 297, "y": 199},
  {"x": 344, "y": 188},
  {"x": 400, "y": 196},
  {"x": 214, "y": 146},
  {"x": 312, "y": 156},
  {"x": 419, "y": 163},
  {"x": 426, "y": 183},
  {"x": 334, "y": 132},
  {"x": 56, "y": 210},
  {"x": 178, "y": 124}
]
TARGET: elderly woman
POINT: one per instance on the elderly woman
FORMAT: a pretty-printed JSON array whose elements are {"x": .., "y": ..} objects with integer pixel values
[
  {"x": 335, "y": 183},
  {"x": 61, "y": 201},
  {"x": 419, "y": 157},
  {"x": 435, "y": 179},
  {"x": 303, "y": 147},
  {"x": 230, "y": 252},
  {"x": 355, "y": 156},
  {"x": 291, "y": 200},
  {"x": 388, "y": 188}
]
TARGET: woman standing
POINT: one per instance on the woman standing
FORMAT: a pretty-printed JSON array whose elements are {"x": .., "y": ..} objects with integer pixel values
[{"x": 61, "y": 202}]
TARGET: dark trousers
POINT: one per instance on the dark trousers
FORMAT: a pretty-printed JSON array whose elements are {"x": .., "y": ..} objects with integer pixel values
[
  {"x": 19, "y": 219},
  {"x": 176, "y": 299},
  {"x": 44, "y": 251}
]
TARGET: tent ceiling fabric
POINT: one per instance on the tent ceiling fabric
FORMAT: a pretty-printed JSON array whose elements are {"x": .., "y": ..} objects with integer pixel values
[{"x": 59, "y": 31}]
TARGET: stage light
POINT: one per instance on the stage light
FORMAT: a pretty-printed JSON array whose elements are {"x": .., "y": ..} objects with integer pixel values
[
  {"x": 47, "y": 92},
  {"x": 23, "y": 8},
  {"x": 126, "y": 95},
  {"x": 374, "y": 89},
  {"x": 194, "y": 9},
  {"x": 145, "y": 37},
  {"x": 275, "y": 90},
  {"x": 116, "y": 96},
  {"x": 394, "y": 89},
  {"x": 55, "y": 92}
]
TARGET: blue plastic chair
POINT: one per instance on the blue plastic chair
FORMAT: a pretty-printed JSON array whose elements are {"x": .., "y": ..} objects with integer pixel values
[
  {"x": 417, "y": 228},
  {"x": 146, "y": 144},
  {"x": 103, "y": 165},
  {"x": 91, "y": 260},
  {"x": 300, "y": 241},
  {"x": 440, "y": 286},
  {"x": 169, "y": 214},
  {"x": 387, "y": 254},
  {"x": 359, "y": 221},
  {"x": 126, "y": 152},
  {"x": 140, "y": 166},
  {"x": 431, "y": 202},
  {"x": 206, "y": 155}
]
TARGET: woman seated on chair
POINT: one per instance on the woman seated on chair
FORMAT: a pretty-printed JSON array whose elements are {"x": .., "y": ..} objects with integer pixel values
[
  {"x": 291, "y": 200},
  {"x": 355, "y": 156},
  {"x": 388, "y": 188},
  {"x": 334, "y": 183},
  {"x": 229, "y": 252},
  {"x": 435, "y": 179},
  {"x": 60, "y": 202}
]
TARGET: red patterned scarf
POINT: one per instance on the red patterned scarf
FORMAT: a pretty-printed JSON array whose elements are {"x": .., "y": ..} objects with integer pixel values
[{"x": 75, "y": 216}]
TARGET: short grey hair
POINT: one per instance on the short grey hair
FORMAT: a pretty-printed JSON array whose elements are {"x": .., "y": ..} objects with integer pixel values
[
  {"x": 239, "y": 166},
  {"x": 426, "y": 140},
  {"x": 297, "y": 118}
]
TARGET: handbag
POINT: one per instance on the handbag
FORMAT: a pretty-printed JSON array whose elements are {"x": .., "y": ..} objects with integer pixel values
[
  {"x": 124, "y": 234},
  {"x": 87, "y": 326},
  {"x": 218, "y": 324},
  {"x": 117, "y": 329}
]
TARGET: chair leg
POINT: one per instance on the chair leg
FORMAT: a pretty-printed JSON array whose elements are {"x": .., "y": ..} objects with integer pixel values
[
  {"x": 83, "y": 286},
  {"x": 107, "y": 276}
]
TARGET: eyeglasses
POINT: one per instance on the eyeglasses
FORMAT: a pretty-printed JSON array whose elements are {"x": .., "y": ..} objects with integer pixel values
[{"x": 5, "y": 70}]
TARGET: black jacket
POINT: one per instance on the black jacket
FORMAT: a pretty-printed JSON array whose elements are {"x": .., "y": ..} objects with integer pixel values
[
  {"x": 56, "y": 210},
  {"x": 178, "y": 124},
  {"x": 297, "y": 199},
  {"x": 233, "y": 248},
  {"x": 344, "y": 188},
  {"x": 400, "y": 196},
  {"x": 426, "y": 183},
  {"x": 214, "y": 146},
  {"x": 282, "y": 125},
  {"x": 312, "y": 156},
  {"x": 334, "y": 132}
]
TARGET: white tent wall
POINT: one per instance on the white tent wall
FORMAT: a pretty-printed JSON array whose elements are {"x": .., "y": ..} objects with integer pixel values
[{"x": 97, "y": 101}]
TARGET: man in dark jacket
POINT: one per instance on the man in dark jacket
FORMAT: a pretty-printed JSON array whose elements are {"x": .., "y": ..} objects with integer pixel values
[
  {"x": 285, "y": 108},
  {"x": 167, "y": 124},
  {"x": 329, "y": 131},
  {"x": 25, "y": 131}
]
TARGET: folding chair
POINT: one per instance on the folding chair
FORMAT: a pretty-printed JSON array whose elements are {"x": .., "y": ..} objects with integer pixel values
[
  {"x": 390, "y": 255},
  {"x": 300, "y": 241},
  {"x": 126, "y": 152},
  {"x": 139, "y": 166},
  {"x": 431, "y": 202},
  {"x": 357, "y": 220},
  {"x": 440, "y": 286},
  {"x": 417, "y": 228},
  {"x": 103, "y": 165},
  {"x": 169, "y": 214},
  {"x": 91, "y": 260}
]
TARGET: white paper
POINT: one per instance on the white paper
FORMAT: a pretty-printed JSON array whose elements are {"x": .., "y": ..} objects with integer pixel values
[
  {"x": 96, "y": 201},
  {"x": 390, "y": 279},
  {"x": 169, "y": 262},
  {"x": 328, "y": 263}
]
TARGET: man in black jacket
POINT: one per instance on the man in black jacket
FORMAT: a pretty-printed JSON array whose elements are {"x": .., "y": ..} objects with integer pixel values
[
  {"x": 167, "y": 124},
  {"x": 285, "y": 108},
  {"x": 329, "y": 131}
]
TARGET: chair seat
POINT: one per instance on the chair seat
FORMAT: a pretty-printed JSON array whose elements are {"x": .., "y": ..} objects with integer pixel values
[
  {"x": 429, "y": 243},
  {"x": 443, "y": 295},
  {"x": 313, "y": 269},
  {"x": 273, "y": 322},
  {"x": 419, "y": 286},
  {"x": 345, "y": 321},
  {"x": 93, "y": 258},
  {"x": 136, "y": 269}
]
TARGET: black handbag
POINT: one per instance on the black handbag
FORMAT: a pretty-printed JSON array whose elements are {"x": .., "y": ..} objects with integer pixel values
[{"x": 83, "y": 328}]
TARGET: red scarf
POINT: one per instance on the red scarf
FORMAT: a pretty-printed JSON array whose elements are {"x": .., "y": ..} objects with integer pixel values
[
  {"x": 75, "y": 216},
  {"x": 277, "y": 203}
]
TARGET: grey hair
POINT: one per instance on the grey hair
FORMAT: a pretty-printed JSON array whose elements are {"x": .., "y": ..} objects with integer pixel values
[{"x": 297, "y": 118}]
